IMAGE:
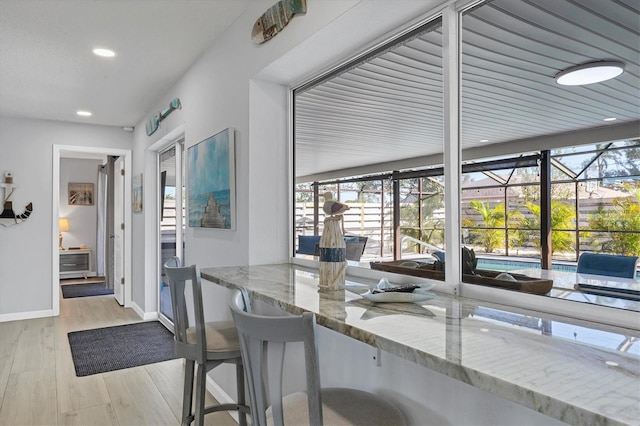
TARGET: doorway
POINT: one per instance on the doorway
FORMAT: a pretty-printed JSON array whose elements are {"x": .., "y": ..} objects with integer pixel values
[
  {"x": 118, "y": 252},
  {"x": 65, "y": 151},
  {"x": 171, "y": 221}
]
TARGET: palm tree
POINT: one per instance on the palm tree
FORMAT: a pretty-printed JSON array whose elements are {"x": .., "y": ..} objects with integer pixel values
[
  {"x": 492, "y": 218},
  {"x": 562, "y": 217},
  {"x": 624, "y": 215}
]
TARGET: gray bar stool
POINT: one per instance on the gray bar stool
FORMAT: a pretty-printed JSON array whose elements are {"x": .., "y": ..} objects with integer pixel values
[
  {"x": 263, "y": 340},
  {"x": 205, "y": 344}
]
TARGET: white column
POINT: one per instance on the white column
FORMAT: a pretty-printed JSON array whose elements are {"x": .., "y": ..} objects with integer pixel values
[{"x": 452, "y": 155}]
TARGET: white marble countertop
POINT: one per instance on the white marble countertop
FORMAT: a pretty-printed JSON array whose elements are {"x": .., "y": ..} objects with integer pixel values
[{"x": 577, "y": 372}]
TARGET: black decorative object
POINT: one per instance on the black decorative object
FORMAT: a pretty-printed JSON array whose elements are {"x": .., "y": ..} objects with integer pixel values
[{"x": 469, "y": 261}]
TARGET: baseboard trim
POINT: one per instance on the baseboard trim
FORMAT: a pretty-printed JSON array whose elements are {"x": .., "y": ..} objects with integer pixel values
[
  {"x": 146, "y": 316},
  {"x": 221, "y": 396},
  {"x": 26, "y": 315}
]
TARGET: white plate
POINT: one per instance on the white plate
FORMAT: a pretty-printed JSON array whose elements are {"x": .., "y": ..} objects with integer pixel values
[
  {"x": 355, "y": 288},
  {"x": 363, "y": 288},
  {"x": 418, "y": 295}
]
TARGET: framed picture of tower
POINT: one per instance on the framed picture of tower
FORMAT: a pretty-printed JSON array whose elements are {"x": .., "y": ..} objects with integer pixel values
[{"x": 211, "y": 182}]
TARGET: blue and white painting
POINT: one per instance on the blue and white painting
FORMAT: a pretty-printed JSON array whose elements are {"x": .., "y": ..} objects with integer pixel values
[{"x": 211, "y": 180}]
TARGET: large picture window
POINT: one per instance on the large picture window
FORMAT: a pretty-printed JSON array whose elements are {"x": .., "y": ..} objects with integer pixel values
[{"x": 548, "y": 172}]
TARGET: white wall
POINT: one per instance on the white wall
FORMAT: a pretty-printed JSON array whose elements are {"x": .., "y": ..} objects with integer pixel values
[
  {"x": 245, "y": 86},
  {"x": 26, "y": 249},
  {"x": 234, "y": 84},
  {"x": 241, "y": 85},
  {"x": 215, "y": 94}
]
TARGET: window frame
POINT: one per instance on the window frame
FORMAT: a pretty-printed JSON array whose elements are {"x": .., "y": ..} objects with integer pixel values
[{"x": 451, "y": 16}]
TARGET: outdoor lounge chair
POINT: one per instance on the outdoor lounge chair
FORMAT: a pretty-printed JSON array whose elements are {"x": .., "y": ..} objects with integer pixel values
[
  {"x": 310, "y": 244},
  {"x": 608, "y": 264}
]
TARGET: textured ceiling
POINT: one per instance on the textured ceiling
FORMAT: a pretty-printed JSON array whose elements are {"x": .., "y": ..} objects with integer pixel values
[
  {"x": 390, "y": 108},
  {"x": 47, "y": 69}
]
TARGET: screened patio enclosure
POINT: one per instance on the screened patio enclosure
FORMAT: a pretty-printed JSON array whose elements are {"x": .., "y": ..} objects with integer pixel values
[
  {"x": 535, "y": 155},
  {"x": 593, "y": 198}
]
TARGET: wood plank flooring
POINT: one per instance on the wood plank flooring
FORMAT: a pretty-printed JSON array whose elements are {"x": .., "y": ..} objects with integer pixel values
[{"x": 38, "y": 384}]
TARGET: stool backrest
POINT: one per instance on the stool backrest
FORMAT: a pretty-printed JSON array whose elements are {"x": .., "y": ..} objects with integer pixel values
[
  {"x": 308, "y": 244},
  {"x": 608, "y": 264},
  {"x": 178, "y": 277},
  {"x": 262, "y": 344}
]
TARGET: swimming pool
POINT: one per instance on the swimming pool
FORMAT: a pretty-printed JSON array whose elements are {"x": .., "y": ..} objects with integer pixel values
[{"x": 510, "y": 265}]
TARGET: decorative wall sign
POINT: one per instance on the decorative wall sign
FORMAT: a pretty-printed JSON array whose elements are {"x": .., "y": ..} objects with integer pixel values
[
  {"x": 8, "y": 217},
  {"x": 136, "y": 193},
  {"x": 276, "y": 18},
  {"x": 154, "y": 122},
  {"x": 80, "y": 194},
  {"x": 211, "y": 174}
]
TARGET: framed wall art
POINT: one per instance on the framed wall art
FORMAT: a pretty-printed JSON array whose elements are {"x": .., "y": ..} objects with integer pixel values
[
  {"x": 136, "y": 193},
  {"x": 80, "y": 194},
  {"x": 211, "y": 182}
]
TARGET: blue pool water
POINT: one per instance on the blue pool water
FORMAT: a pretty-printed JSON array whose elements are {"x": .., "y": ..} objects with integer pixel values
[{"x": 510, "y": 265}]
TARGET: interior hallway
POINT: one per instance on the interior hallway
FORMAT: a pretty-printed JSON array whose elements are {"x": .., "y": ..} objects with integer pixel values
[{"x": 38, "y": 384}]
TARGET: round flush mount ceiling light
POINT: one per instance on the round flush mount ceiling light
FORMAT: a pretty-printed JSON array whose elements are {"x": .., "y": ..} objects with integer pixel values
[
  {"x": 589, "y": 73},
  {"x": 82, "y": 113},
  {"x": 105, "y": 53}
]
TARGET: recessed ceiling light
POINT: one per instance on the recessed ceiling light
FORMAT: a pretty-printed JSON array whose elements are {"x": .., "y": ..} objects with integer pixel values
[
  {"x": 84, "y": 113},
  {"x": 592, "y": 72},
  {"x": 107, "y": 53},
  {"x": 484, "y": 140},
  {"x": 610, "y": 119}
]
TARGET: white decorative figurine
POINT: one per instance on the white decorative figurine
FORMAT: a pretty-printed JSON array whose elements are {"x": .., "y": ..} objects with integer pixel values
[{"x": 333, "y": 262}]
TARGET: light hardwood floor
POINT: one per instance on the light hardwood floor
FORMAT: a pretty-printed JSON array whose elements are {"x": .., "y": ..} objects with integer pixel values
[{"x": 38, "y": 384}]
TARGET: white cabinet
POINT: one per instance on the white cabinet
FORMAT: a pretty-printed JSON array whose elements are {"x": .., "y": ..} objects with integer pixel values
[{"x": 75, "y": 263}]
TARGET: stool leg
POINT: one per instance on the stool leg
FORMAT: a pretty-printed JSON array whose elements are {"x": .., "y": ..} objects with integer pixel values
[
  {"x": 242, "y": 416},
  {"x": 187, "y": 393},
  {"x": 201, "y": 383}
]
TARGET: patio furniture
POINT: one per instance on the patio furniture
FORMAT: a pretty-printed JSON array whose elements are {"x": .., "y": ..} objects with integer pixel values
[
  {"x": 310, "y": 244},
  {"x": 355, "y": 246},
  {"x": 608, "y": 264}
]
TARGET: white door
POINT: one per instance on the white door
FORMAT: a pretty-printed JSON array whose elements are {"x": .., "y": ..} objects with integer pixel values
[{"x": 118, "y": 230}]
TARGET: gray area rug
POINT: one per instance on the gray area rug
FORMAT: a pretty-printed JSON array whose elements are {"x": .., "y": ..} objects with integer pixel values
[
  {"x": 125, "y": 346},
  {"x": 84, "y": 290}
]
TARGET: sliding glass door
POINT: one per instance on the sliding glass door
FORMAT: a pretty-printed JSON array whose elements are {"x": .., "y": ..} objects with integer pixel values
[{"x": 171, "y": 223}]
